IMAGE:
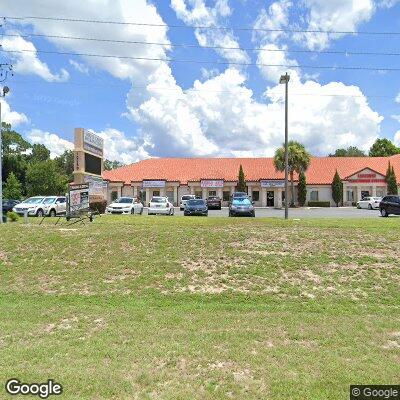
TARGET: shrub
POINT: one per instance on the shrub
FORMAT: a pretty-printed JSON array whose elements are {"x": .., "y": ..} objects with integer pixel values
[
  {"x": 99, "y": 206},
  {"x": 12, "y": 216},
  {"x": 319, "y": 203}
]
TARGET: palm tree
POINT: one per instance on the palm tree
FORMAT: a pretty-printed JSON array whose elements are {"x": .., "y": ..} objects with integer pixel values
[{"x": 299, "y": 160}]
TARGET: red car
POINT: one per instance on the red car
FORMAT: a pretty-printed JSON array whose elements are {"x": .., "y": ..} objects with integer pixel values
[{"x": 214, "y": 202}]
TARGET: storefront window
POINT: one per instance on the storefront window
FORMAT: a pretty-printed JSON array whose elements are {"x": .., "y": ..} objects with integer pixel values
[
  {"x": 198, "y": 194},
  {"x": 256, "y": 195},
  {"x": 226, "y": 195},
  {"x": 114, "y": 195},
  {"x": 380, "y": 191},
  {"x": 212, "y": 192},
  {"x": 314, "y": 195},
  {"x": 156, "y": 193}
]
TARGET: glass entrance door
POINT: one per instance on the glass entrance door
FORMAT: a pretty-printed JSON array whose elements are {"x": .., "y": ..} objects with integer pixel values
[{"x": 270, "y": 198}]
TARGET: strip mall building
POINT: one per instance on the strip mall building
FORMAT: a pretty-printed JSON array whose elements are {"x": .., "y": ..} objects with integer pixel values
[{"x": 175, "y": 177}]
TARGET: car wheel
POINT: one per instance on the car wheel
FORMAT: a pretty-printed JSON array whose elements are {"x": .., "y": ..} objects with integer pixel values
[
  {"x": 52, "y": 213},
  {"x": 384, "y": 213},
  {"x": 132, "y": 210},
  {"x": 369, "y": 207},
  {"x": 141, "y": 211},
  {"x": 358, "y": 206},
  {"x": 39, "y": 213}
]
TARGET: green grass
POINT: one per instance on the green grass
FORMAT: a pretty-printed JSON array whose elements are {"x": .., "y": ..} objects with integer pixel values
[{"x": 201, "y": 308}]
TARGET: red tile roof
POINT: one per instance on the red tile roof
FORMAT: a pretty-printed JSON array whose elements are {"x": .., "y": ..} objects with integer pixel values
[{"x": 320, "y": 171}]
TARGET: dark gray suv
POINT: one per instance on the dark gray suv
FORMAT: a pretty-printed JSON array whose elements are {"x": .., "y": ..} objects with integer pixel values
[{"x": 390, "y": 205}]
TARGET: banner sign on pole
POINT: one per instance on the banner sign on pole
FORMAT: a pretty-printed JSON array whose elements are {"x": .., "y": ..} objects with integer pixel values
[{"x": 96, "y": 185}]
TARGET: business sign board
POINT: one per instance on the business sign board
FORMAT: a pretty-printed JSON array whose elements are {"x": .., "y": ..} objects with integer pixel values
[
  {"x": 93, "y": 143},
  {"x": 78, "y": 198},
  {"x": 272, "y": 184},
  {"x": 212, "y": 183},
  {"x": 367, "y": 176},
  {"x": 153, "y": 184},
  {"x": 96, "y": 185}
]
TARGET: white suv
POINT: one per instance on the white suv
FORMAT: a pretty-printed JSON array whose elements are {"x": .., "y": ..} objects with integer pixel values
[
  {"x": 33, "y": 205},
  {"x": 184, "y": 200},
  {"x": 54, "y": 205}
]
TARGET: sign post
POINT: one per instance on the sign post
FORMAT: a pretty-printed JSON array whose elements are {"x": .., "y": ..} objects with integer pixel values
[{"x": 77, "y": 200}]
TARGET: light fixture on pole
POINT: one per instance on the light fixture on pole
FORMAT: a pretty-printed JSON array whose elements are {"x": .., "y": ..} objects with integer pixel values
[{"x": 284, "y": 79}]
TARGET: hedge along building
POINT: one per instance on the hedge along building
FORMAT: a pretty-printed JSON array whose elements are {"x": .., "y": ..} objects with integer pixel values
[{"x": 203, "y": 177}]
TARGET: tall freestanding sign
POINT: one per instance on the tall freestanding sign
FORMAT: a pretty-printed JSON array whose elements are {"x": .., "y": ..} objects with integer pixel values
[{"x": 88, "y": 163}]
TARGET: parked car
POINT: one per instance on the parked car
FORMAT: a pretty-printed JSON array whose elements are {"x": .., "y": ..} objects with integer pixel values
[
  {"x": 33, "y": 205},
  {"x": 241, "y": 207},
  {"x": 214, "y": 202},
  {"x": 54, "y": 205},
  {"x": 160, "y": 205},
  {"x": 184, "y": 200},
  {"x": 369, "y": 202},
  {"x": 196, "y": 207},
  {"x": 390, "y": 205},
  {"x": 125, "y": 205},
  {"x": 8, "y": 205}
]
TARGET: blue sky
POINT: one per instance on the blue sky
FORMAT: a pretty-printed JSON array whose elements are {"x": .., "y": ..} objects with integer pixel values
[{"x": 155, "y": 108}]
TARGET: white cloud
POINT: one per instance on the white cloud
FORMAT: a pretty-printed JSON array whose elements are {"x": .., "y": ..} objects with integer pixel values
[
  {"x": 396, "y": 117},
  {"x": 118, "y": 10},
  {"x": 220, "y": 117},
  {"x": 387, "y": 3},
  {"x": 11, "y": 117},
  {"x": 396, "y": 139},
  {"x": 28, "y": 62},
  {"x": 195, "y": 12},
  {"x": 52, "y": 141},
  {"x": 121, "y": 148},
  {"x": 275, "y": 19},
  {"x": 333, "y": 15},
  {"x": 80, "y": 67},
  {"x": 397, "y": 100}
]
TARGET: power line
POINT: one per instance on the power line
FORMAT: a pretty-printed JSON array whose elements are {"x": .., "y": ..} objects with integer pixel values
[
  {"x": 235, "y": 63},
  {"x": 211, "y": 27},
  {"x": 189, "y": 45},
  {"x": 24, "y": 82}
]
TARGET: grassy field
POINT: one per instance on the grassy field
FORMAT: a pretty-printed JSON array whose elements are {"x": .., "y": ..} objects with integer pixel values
[{"x": 201, "y": 308}]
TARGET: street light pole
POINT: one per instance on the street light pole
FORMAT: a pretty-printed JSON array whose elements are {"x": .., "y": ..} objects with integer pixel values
[
  {"x": 4, "y": 91},
  {"x": 285, "y": 79}
]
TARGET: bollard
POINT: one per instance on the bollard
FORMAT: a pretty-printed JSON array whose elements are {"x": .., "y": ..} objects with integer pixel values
[{"x": 25, "y": 216}]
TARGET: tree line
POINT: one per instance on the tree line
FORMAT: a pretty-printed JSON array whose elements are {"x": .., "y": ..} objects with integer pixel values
[{"x": 28, "y": 170}]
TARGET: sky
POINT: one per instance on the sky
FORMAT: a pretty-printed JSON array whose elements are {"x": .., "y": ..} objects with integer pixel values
[{"x": 220, "y": 95}]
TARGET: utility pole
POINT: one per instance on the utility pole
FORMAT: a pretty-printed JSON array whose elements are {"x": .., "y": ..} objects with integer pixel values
[
  {"x": 4, "y": 69},
  {"x": 285, "y": 80}
]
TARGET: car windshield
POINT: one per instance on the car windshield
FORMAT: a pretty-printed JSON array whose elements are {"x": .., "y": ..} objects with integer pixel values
[
  {"x": 240, "y": 194},
  {"x": 50, "y": 200},
  {"x": 187, "y": 197},
  {"x": 195, "y": 202},
  {"x": 34, "y": 200},
  {"x": 158, "y": 200},
  {"x": 124, "y": 200},
  {"x": 213, "y": 197},
  {"x": 241, "y": 202}
]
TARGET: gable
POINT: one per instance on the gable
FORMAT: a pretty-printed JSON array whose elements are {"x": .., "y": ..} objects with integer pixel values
[{"x": 366, "y": 175}]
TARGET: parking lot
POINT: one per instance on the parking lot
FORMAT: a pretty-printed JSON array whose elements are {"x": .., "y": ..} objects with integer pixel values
[{"x": 306, "y": 212}]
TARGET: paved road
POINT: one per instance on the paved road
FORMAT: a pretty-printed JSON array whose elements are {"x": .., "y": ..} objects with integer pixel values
[{"x": 332, "y": 212}]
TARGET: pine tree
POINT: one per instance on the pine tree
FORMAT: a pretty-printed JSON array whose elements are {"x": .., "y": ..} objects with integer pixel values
[
  {"x": 12, "y": 188},
  {"x": 302, "y": 189},
  {"x": 337, "y": 189},
  {"x": 241, "y": 186},
  {"x": 391, "y": 181}
]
